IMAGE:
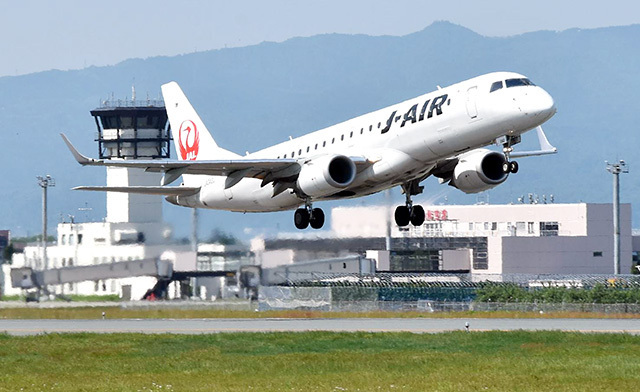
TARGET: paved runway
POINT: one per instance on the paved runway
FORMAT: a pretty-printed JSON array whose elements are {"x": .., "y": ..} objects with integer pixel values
[{"x": 200, "y": 326}]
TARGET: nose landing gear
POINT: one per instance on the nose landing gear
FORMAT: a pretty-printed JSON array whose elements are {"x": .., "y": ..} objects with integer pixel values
[
  {"x": 308, "y": 216},
  {"x": 507, "y": 142}
]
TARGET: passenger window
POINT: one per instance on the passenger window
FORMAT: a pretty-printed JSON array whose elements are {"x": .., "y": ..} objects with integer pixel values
[
  {"x": 370, "y": 128},
  {"x": 324, "y": 143},
  {"x": 300, "y": 152},
  {"x": 285, "y": 156},
  {"x": 379, "y": 125},
  {"x": 333, "y": 140},
  {"x": 496, "y": 86},
  {"x": 308, "y": 148},
  {"x": 316, "y": 146},
  {"x": 341, "y": 137},
  {"x": 351, "y": 134},
  {"x": 293, "y": 154},
  {"x": 361, "y": 131}
]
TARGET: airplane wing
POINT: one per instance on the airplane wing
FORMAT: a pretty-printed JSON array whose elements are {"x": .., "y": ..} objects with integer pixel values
[
  {"x": 145, "y": 190},
  {"x": 268, "y": 170}
]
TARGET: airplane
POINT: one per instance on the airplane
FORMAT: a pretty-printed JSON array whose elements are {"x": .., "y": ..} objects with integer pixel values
[{"x": 443, "y": 134}]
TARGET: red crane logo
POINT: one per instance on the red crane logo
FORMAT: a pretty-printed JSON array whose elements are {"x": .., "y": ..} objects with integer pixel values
[{"x": 188, "y": 140}]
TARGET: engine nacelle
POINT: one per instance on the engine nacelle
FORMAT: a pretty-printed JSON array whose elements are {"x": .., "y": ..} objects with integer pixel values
[
  {"x": 326, "y": 175},
  {"x": 478, "y": 171}
]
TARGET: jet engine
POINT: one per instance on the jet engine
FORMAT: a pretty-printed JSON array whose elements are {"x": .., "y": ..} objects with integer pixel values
[
  {"x": 326, "y": 175},
  {"x": 478, "y": 171}
]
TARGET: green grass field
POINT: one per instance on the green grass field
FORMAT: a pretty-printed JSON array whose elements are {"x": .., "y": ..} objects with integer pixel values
[{"x": 322, "y": 361}]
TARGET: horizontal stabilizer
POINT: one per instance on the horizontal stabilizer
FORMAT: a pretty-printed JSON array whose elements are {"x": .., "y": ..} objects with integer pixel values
[{"x": 145, "y": 190}]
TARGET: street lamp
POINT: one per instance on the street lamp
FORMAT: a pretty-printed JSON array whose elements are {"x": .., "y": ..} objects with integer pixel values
[
  {"x": 45, "y": 182},
  {"x": 616, "y": 169}
]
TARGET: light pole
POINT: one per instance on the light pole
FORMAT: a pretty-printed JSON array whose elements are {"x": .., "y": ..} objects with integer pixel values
[
  {"x": 616, "y": 169},
  {"x": 45, "y": 182}
]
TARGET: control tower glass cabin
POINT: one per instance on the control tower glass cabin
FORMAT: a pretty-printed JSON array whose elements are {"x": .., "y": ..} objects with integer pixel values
[{"x": 132, "y": 130}]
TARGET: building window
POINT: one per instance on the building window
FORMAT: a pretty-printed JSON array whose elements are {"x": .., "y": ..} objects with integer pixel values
[
  {"x": 530, "y": 228},
  {"x": 63, "y": 239},
  {"x": 71, "y": 239},
  {"x": 549, "y": 229},
  {"x": 494, "y": 226},
  {"x": 597, "y": 254},
  {"x": 79, "y": 238}
]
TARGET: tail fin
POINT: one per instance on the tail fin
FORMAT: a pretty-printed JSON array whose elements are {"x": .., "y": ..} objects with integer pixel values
[{"x": 190, "y": 136}]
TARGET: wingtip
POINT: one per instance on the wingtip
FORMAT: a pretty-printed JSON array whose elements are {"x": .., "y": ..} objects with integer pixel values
[{"x": 83, "y": 160}]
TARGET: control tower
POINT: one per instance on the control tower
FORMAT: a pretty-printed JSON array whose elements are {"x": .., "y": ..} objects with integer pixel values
[{"x": 130, "y": 129}]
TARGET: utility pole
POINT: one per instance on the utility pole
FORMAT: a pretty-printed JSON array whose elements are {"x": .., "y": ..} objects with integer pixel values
[
  {"x": 194, "y": 229},
  {"x": 45, "y": 182},
  {"x": 616, "y": 169},
  {"x": 387, "y": 212}
]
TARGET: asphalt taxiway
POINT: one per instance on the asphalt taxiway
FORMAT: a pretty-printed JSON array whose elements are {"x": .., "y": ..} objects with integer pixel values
[{"x": 416, "y": 325}]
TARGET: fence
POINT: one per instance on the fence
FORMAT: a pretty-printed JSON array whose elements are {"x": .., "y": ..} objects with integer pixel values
[{"x": 430, "y": 298}]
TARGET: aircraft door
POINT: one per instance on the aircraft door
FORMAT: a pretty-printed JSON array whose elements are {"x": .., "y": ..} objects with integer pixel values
[{"x": 472, "y": 99}]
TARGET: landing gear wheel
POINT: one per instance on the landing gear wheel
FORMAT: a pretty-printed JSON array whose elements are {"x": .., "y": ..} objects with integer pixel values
[
  {"x": 301, "y": 218},
  {"x": 513, "y": 167},
  {"x": 417, "y": 215},
  {"x": 506, "y": 167},
  {"x": 402, "y": 216},
  {"x": 317, "y": 218}
]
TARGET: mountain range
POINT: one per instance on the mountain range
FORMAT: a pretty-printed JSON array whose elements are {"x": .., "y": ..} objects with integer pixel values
[{"x": 256, "y": 96}]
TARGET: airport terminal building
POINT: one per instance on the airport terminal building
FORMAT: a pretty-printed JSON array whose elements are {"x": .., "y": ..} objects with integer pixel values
[{"x": 480, "y": 239}]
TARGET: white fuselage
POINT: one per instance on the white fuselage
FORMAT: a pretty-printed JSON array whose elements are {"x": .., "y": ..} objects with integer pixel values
[{"x": 404, "y": 141}]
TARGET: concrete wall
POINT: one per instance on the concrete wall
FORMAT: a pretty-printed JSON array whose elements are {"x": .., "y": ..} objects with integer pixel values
[{"x": 563, "y": 255}]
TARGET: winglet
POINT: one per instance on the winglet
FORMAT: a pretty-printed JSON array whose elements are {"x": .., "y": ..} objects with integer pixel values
[
  {"x": 83, "y": 160},
  {"x": 545, "y": 147}
]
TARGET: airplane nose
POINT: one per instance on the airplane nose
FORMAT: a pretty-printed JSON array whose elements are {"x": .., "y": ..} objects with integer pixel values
[{"x": 542, "y": 105}]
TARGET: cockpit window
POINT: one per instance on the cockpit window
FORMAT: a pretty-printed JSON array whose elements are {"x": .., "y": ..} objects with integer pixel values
[
  {"x": 496, "y": 86},
  {"x": 518, "y": 82}
]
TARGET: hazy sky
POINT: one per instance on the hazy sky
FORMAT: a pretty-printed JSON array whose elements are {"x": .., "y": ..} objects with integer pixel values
[{"x": 68, "y": 34}]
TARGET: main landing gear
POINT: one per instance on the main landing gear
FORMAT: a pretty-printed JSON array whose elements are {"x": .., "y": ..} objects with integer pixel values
[
  {"x": 410, "y": 213},
  {"x": 308, "y": 216},
  {"x": 509, "y": 166}
]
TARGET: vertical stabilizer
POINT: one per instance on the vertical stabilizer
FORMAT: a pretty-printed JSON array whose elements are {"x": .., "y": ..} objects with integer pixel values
[{"x": 190, "y": 136}]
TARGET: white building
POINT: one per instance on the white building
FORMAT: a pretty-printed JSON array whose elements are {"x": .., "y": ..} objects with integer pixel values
[
  {"x": 520, "y": 238},
  {"x": 133, "y": 228}
]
